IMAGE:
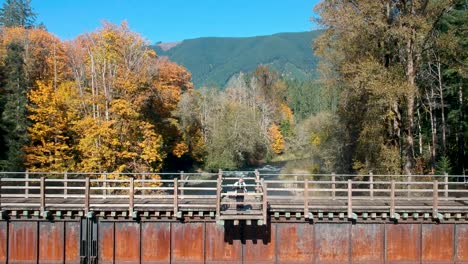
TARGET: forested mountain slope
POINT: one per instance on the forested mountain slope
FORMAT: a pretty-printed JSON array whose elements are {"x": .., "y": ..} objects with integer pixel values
[{"x": 214, "y": 60}]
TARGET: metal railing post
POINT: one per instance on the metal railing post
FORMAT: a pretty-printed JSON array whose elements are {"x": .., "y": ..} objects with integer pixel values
[
  {"x": 371, "y": 185},
  {"x": 350, "y": 199}
]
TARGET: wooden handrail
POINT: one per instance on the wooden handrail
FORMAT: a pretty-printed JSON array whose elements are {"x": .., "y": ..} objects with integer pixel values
[{"x": 51, "y": 190}]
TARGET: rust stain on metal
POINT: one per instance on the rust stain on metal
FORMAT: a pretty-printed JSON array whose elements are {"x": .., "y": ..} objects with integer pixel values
[
  {"x": 127, "y": 242},
  {"x": 259, "y": 244},
  {"x": 219, "y": 247},
  {"x": 403, "y": 243},
  {"x": 367, "y": 243},
  {"x": 461, "y": 243},
  {"x": 155, "y": 242},
  {"x": 72, "y": 242},
  {"x": 3, "y": 241},
  {"x": 106, "y": 242},
  {"x": 22, "y": 242},
  {"x": 332, "y": 243},
  {"x": 437, "y": 243},
  {"x": 51, "y": 240},
  {"x": 295, "y": 243},
  {"x": 187, "y": 242}
]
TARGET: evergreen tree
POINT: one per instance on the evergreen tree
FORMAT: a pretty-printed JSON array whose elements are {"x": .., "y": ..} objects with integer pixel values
[
  {"x": 17, "y": 13},
  {"x": 14, "y": 121}
]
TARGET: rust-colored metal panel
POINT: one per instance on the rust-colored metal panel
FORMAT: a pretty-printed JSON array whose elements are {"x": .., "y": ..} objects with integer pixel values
[
  {"x": 187, "y": 242},
  {"x": 403, "y": 243},
  {"x": 51, "y": 246},
  {"x": 367, "y": 243},
  {"x": 155, "y": 242},
  {"x": 22, "y": 246},
  {"x": 3, "y": 241},
  {"x": 437, "y": 243},
  {"x": 259, "y": 246},
  {"x": 127, "y": 242},
  {"x": 295, "y": 242},
  {"x": 72, "y": 242},
  {"x": 332, "y": 243},
  {"x": 461, "y": 242},
  {"x": 219, "y": 247},
  {"x": 106, "y": 242}
]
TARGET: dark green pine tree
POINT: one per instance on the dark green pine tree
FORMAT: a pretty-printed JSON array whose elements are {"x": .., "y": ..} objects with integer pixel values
[
  {"x": 14, "y": 121},
  {"x": 17, "y": 13}
]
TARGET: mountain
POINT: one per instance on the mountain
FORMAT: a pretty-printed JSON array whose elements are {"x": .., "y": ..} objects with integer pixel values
[{"x": 214, "y": 60}]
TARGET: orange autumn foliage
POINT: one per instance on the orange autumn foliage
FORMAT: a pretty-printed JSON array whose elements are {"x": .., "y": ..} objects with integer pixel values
[{"x": 276, "y": 139}]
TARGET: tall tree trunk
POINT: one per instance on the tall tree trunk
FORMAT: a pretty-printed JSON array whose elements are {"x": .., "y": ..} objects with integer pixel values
[
  {"x": 411, "y": 77},
  {"x": 442, "y": 108},
  {"x": 433, "y": 119},
  {"x": 420, "y": 133},
  {"x": 460, "y": 136}
]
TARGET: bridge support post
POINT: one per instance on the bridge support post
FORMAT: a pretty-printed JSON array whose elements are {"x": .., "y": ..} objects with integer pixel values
[
  {"x": 265, "y": 202},
  {"x": 131, "y": 195},
  {"x": 306, "y": 198},
  {"x": 42, "y": 190},
  {"x": 333, "y": 186},
  {"x": 257, "y": 181},
  {"x": 65, "y": 185},
  {"x": 435, "y": 199},
  {"x": 87, "y": 187},
  {"x": 446, "y": 187},
  {"x": 176, "y": 204},
  {"x": 350, "y": 199},
  {"x": 392, "y": 199},
  {"x": 218, "y": 198},
  {"x": 26, "y": 184},
  {"x": 182, "y": 184}
]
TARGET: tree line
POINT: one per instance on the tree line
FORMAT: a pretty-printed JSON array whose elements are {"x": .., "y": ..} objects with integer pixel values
[
  {"x": 391, "y": 98},
  {"x": 399, "y": 68}
]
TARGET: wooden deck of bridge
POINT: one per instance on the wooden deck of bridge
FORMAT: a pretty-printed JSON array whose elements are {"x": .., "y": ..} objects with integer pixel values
[{"x": 304, "y": 195}]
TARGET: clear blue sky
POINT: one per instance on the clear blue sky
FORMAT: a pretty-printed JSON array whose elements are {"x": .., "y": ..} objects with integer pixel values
[{"x": 172, "y": 20}]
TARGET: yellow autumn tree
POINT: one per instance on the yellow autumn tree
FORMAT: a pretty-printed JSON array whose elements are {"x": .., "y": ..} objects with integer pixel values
[
  {"x": 276, "y": 139},
  {"x": 51, "y": 113},
  {"x": 115, "y": 67}
]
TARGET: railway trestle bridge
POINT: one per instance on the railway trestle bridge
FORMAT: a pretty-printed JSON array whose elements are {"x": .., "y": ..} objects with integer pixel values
[{"x": 196, "y": 218}]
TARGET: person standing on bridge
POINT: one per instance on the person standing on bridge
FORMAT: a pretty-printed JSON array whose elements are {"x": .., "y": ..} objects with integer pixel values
[{"x": 241, "y": 189}]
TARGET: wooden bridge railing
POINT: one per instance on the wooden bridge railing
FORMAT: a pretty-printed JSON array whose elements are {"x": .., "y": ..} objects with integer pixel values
[{"x": 178, "y": 192}]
